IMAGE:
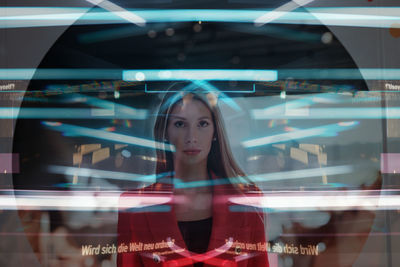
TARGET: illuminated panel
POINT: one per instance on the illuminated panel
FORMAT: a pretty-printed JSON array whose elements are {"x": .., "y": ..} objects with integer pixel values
[
  {"x": 200, "y": 74},
  {"x": 9, "y": 163},
  {"x": 390, "y": 162}
]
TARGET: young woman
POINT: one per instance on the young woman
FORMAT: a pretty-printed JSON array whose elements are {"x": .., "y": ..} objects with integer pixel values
[{"x": 196, "y": 224}]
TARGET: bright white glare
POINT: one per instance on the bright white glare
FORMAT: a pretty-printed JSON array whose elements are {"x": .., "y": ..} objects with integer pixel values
[
  {"x": 139, "y": 76},
  {"x": 119, "y": 11},
  {"x": 280, "y": 11},
  {"x": 317, "y": 201},
  {"x": 271, "y": 201},
  {"x": 80, "y": 201}
]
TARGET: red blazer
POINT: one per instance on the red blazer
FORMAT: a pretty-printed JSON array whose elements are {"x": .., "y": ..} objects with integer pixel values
[{"x": 151, "y": 237}]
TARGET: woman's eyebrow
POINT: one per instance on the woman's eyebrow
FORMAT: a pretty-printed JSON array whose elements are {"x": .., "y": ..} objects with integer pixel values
[
  {"x": 177, "y": 117},
  {"x": 204, "y": 117}
]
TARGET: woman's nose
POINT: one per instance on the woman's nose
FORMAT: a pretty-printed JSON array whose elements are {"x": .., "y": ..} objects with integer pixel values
[{"x": 191, "y": 136}]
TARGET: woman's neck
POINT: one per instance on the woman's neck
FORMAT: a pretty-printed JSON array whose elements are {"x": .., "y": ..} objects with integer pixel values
[{"x": 188, "y": 173}]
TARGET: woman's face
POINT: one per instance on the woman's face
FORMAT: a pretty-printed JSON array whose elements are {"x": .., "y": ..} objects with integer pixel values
[{"x": 190, "y": 129}]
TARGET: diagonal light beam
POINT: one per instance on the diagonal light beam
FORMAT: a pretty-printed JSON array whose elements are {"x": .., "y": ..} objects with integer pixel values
[
  {"x": 119, "y": 11},
  {"x": 280, "y": 11}
]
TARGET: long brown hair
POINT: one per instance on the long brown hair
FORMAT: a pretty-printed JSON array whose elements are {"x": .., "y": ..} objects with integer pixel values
[{"x": 220, "y": 160}]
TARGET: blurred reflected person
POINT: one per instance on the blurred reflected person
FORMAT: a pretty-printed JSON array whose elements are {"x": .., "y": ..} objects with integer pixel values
[{"x": 197, "y": 224}]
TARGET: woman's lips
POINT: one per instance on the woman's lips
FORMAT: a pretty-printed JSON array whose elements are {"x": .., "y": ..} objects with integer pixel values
[{"x": 191, "y": 152}]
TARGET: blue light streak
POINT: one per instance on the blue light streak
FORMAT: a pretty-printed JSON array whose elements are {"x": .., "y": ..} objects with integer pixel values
[
  {"x": 200, "y": 74},
  {"x": 73, "y": 130},
  {"x": 300, "y": 174},
  {"x": 118, "y": 109},
  {"x": 60, "y": 74},
  {"x": 71, "y": 113},
  {"x": 340, "y": 74},
  {"x": 326, "y": 130},
  {"x": 279, "y": 110},
  {"x": 269, "y": 177},
  {"x": 27, "y": 17},
  {"x": 332, "y": 113},
  {"x": 103, "y": 174}
]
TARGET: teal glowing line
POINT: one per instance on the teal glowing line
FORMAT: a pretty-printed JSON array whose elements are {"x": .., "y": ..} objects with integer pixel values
[
  {"x": 269, "y": 177},
  {"x": 333, "y": 113},
  {"x": 103, "y": 174},
  {"x": 200, "y": 74},
  {"x": 279, "y": 110},
  {"x": 118, "y": 109},
  {"x": 340, "y": 74},
  {"x": 186, "y": 15},
  {"x": 110, "y": 136},
  {"x": 326, "y": 130},
  {"x": 314, "y": 16},
  {"x": 156, "y": 208},
  {"x": 72, "y": 113},
  {"x": 60, "y": 74},
  {"x": 300, "y": 174}
]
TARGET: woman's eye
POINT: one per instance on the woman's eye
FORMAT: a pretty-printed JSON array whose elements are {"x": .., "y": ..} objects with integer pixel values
[
  {"x": 203, "y": 123},
  {"x": 179, "y": 124}
]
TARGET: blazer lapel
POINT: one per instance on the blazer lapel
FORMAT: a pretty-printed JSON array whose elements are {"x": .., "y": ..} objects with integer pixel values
[{"x": 164, "y": 227}]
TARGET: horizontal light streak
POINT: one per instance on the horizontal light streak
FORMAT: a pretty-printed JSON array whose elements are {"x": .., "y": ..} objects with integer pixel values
[
  {"x": 60, "y": 74},
  {"x": 71, "y": 113},
  {"x": 82, "y": 201},
  {"x": 341, "y": 74},
  {"x": 40, "y": 17},
  {"x": 140, "y": 75},
  {"x": 296, "y": 104},
  {"x": 340, "y": 200},
  {"x": 110, "y": 136},
  {"x": 302, "y": 173},
  {"x": 331, "y": 113},
  {"x": 200, "y": 74},
  {"x": 103, "y": 174},
  {"x": 326, "y": 130},
  {"x": 135, "y": 201},
  {"x": 269, "y": 177},
  {"x": 117, "y": 109}
]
